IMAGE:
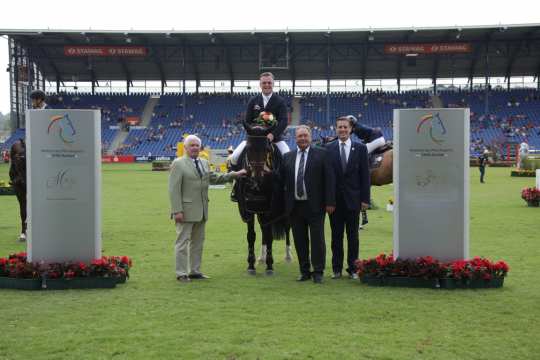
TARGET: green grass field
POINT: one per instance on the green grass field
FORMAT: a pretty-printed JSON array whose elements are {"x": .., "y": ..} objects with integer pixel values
[{"x": 235, "y": 316}]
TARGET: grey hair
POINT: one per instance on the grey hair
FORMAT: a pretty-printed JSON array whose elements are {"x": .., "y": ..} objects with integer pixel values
[
  {"x": 267, "y": 74},
  {"x": 303, "y": 127},
  {"x": 191, "y": 138}
]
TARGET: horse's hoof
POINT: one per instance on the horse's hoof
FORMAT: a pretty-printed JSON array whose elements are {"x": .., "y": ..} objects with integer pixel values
[
  {"x": 269, "y": 272},
  {"x": 252, "y": 272}
]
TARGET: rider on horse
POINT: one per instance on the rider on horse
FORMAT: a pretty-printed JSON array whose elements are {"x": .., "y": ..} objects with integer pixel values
[
  {"x": 373, "y": 138},
  {"x": 268, "y": 102}
]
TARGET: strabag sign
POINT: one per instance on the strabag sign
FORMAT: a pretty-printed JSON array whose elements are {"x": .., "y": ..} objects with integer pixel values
[
  {"x": 427, "y": 48},
  {"x": 104, "y": 51}
]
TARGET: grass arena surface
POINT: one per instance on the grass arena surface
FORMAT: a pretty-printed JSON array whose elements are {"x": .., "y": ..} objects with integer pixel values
[{"x": 237, "y": 316}]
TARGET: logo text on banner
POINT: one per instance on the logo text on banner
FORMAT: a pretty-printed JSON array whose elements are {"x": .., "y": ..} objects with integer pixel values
[
  {"x": 428, "y": 48},
  {"x": 84, "y": 50}
]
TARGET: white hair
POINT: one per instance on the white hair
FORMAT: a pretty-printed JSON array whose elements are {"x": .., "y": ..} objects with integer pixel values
[{"x": 191, "y": 138}]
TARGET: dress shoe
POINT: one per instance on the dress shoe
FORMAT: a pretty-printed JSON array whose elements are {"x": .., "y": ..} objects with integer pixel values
[
  {"x": 304, "y": 277},
  {"x": 200, "y": 276},
  {"x": 336, "y": 275},
  {"x": 317, "y": 278},
  {"x": 183, "y": 278}
]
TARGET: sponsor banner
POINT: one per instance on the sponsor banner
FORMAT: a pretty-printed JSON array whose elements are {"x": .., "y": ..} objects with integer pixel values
[
  {"x": 85, "y": 50},
  {"x": 428, "y": 48},
  {"x": 137, "y": 127},
  {"x": 153, "y": 158},
  {"x": 117, "y": 159}
]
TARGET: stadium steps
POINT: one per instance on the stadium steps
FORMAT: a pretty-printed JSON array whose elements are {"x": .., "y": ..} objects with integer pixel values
[
  {"x": 118, "y": 140},
  {"x": 437, "y": 101},
  {"x": 296, "y": 110},
  {"x": 149, "y": 110}
]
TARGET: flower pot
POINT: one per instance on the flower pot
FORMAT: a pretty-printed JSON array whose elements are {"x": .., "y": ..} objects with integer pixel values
[
  {"x": 533, "y": 203},
  {"x": 372, "y": 280},
  {"x": 413, "y": 282},
  {"x": 20, "y": 284},
  {"x": 450, "y": 283},
  {"x": 80, "y": 283}
]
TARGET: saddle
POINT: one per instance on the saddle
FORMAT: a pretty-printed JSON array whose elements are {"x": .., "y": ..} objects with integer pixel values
[{"x": 376, "y": 157}]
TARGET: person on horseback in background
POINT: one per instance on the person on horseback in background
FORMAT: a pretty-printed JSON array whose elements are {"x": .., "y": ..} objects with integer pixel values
[
  {"x": 373, "y": 138},
  {"x": 270, "y": 102},
  {"x": 17, "y": 170}
]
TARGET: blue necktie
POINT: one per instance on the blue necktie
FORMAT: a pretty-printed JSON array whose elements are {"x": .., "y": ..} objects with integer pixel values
[{"x": 343, "y": 158}]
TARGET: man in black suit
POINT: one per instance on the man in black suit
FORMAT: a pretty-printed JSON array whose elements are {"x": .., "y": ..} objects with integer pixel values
[
  {"x": 309, "y": 186},
  {"x": 17, "y": 170},
  {"x": 269, "y": 102},
  {"x": 351, "y": 169}
]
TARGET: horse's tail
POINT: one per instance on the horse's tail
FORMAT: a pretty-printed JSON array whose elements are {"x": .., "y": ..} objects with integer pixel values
[{"x": 280, "y": 228}]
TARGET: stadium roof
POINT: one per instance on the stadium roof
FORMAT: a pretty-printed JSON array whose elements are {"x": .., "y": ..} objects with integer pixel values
[{"x": 499, "y": 50}]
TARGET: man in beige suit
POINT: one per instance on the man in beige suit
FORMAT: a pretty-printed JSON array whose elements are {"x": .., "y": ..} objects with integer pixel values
[{"x": 188, "y": 192}]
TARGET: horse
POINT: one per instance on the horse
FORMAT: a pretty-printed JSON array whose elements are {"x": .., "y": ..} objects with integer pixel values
[
  {"x": 17, "y": 179},
  {"x": 260, "y": 194}
]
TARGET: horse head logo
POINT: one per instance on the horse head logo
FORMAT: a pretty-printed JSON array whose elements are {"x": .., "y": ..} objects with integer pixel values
[
  {"x": 436, "y": 127},
  {"x": 66, "y": 130}
]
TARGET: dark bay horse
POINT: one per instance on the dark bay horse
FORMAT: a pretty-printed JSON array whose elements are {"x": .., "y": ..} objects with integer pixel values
[
  {"x": 17, "y": 179},
  {"x": 260, "y": 194}
]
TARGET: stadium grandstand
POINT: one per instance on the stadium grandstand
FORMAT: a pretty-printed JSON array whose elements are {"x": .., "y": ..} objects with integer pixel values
[{"x": 153, "y": 87}]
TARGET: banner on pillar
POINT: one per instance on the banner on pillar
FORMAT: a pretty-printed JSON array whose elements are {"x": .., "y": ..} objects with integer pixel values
[
  {"x": 63, "y": 185},
  {"x": 431, "y": 183}
]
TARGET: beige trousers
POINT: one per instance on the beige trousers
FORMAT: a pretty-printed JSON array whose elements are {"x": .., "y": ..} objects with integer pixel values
[{"x": 188, "y": 247}]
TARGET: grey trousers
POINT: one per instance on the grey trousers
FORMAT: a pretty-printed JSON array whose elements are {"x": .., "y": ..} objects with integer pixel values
[{"x": 188, "y": 247}]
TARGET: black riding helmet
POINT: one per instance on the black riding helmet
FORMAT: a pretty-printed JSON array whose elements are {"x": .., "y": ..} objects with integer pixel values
[{"x": 38, "y": 95}]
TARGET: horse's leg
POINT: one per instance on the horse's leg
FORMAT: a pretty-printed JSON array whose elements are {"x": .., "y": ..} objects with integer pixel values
[
  {"x": 262, "y": 258},
  {"x": 267, "y": 241},
  {"x": 288, "y": 253},
  {"x": 251, "y": 245}
]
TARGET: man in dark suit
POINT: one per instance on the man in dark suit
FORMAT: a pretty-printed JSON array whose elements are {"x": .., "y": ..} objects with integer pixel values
[
  {"x": 309, "y": 186},
  {"x": 17, "y": 170},
  {"x": 351, "y": 169},
  {"x": 269, "y": 102}
]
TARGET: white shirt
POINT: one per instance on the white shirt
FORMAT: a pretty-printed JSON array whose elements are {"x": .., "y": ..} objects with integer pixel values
[
  {"x": 524, "y": 148},
  {"x": 266, "y": 98},
  {"x": 296, "y": 166},
  {"x": 348, "y": 145}
]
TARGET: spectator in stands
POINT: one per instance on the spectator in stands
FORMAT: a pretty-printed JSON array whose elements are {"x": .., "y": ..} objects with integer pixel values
[
  {"x": 270, "y": 102},
  {"x": 189, "y": 179}
]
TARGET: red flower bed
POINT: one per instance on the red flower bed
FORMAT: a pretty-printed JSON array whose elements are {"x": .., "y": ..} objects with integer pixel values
[
  {"x": 384, "y": 266},
  {"x": 530, "y": 194},
  {"x": 17, "y": 266}
]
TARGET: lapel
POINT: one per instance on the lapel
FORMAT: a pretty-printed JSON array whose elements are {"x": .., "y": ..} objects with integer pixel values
[
  {"x": 310, "y": 155},
  {"x": 191, "y": 165},
  {"x": 260, "y": 102},
  {"x": 292, "y": 164},
  {"x": 351, "y": 154},
  {"x": 337, "y": 155}
]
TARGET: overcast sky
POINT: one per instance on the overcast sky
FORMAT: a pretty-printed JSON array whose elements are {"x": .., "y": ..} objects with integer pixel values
[{"x": 248, "y": 15}]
